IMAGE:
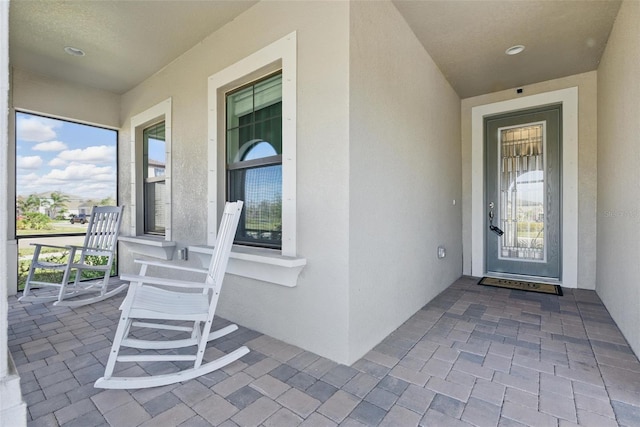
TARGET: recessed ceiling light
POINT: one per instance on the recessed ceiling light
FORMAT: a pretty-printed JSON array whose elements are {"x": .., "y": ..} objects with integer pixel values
[
  {"x": 514, "y": 50},
  {"x": 74, "y": 51}
]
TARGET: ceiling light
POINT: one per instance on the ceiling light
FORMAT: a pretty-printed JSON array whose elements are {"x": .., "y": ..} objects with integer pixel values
[
  {"x": 514, "y": 50},
  {"x": 74, "y": 51}
]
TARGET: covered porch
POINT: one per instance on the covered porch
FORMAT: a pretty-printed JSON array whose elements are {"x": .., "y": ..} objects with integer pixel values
[{"x": 380, "y": 132}]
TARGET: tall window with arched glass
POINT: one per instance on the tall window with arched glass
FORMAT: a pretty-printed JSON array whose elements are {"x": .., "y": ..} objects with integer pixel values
[{"x": 254, "y": 159}]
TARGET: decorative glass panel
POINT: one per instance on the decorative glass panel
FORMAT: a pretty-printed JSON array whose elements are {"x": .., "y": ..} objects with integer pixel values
[
  {"x": 261, "y": 190},
  {"x": 522, "y": 192}
]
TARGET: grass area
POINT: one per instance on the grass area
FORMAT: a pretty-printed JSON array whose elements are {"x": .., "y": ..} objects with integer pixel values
[{"x": 57, "y": 227}]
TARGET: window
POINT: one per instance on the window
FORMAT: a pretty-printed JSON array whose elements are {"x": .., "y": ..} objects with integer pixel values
[
  {"x": 151, "y": 172},
  {"x": 154, "y": 165},
  {"x": 253, "y": 148},
  {"x": 63, "y": 169},
  {"x": 238, "y": 159},
  {"x": 254, "y": 159}
]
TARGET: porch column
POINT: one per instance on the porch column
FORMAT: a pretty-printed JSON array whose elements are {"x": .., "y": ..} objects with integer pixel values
[{"x": 13, "y": 411}]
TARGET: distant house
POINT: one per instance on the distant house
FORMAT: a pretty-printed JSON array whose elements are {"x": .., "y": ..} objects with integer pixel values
[{"x": 156, "y": 168}]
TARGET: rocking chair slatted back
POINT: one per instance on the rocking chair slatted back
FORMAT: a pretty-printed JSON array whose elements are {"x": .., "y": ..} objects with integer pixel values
[
  {"x": 218, "y": 265},
  {"x": 224, "y": 242},
  {"x": 102, "y": 232},
  {"x": 158, "y": 303}
]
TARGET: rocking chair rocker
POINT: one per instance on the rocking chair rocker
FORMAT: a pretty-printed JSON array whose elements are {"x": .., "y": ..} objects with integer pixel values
[
  {"x": 147, "y": 304},
  {"x": 100, "y": 241}
]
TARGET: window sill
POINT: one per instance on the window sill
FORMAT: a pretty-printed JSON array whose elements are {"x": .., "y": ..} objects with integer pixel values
[
  {"x": 257, "y": 263},
  {"x": 152, "y": 246}
]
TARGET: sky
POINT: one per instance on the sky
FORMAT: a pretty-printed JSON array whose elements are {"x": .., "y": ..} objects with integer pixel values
[{"x": 56, "y": 155}]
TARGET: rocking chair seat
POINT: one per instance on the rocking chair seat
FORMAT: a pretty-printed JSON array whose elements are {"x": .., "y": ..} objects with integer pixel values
[{"x": 156, "y": 303}]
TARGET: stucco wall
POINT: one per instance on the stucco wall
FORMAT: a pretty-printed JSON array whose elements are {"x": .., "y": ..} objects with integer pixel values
[
  {"x": 312, "y": 315},
  {"x": 587, "y": 165},
  {"x": 404, "y": 163},
  {"x": 618, "y": 174},
  {"x": 52, "y": 97}
]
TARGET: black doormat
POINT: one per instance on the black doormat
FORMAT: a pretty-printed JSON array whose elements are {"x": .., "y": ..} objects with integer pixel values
[{"x": 520, "y": 285}]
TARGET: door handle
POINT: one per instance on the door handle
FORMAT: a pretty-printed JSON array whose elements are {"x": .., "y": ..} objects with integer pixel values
[
  {"x": 496, "y": 230},
  {"x": 491, "y": 226}
]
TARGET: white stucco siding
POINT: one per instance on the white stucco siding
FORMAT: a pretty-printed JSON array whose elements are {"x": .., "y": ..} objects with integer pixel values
[
  {"x": 404, "y": 164},
  {"x": 312, "y": 315},
  {"x": 39, "y": 94},
  {"x": 618, "y": 202}
]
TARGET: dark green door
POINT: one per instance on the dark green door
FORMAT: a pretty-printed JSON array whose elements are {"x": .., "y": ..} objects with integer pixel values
[{"x": 523, "y": 198}]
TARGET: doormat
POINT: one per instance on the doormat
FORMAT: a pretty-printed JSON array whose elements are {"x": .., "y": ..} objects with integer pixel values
[{"x": 520, "y": 285}]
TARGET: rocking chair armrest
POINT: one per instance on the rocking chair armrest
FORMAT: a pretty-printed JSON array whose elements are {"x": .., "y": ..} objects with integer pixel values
[
  {"x": 88, "y": 249},
  {"x": 171, "y": 266},
  {"x": 133, "y": 278},
  {"x": 44, "y": 245}
]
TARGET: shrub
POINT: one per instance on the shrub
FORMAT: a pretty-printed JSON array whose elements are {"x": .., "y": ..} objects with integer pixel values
[{"x": 36, "y": 221}]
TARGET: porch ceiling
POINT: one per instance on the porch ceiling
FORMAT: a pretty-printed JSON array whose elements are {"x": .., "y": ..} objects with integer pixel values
[
  {"x": 127, "y": 41},
  {"x": 468, "y": 39}
]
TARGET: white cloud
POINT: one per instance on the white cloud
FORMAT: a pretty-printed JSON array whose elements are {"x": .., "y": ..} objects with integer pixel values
[
  {"x": 29, "y": 162},
  {"x": 94, "y": 154},
  {"x": 28, "y": 184},
  {"x": 50, "y": 146},
  {"x": 85, "y": 183},
  {"x": 30, "y": 177},
  {"x": 81, "y": 172},
  {"x": 36, "y": 129},
  {"x": 57, "y": 163},
  {"x": 100, "y": 190},
  {"x": 78, "y": 180}
]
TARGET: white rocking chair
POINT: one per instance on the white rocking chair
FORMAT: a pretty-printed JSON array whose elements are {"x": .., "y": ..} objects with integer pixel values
[
  {"x": 174, "y": 300},
  {"x": 100, "y": 241}
]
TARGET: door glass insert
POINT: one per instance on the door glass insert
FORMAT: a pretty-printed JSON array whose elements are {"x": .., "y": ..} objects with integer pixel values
[{"x": 522, "y": 192}]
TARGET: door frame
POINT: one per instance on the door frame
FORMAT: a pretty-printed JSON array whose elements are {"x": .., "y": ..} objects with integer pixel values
[{"x": 569, "y": 158}]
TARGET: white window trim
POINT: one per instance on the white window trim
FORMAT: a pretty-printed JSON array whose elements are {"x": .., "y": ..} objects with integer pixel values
[
  {"x": 279, "y": 55},
  {"x": 138, "y": 241},
  {"x": 256, "y": 263}
]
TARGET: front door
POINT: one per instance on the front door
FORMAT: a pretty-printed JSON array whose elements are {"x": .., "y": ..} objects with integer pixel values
[{"x": 523, "y": 199}]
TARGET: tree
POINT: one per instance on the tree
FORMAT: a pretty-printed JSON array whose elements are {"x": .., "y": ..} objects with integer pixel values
[
  {"x": 58, "y": 203},
  {"x": 30, "y": 204},
  {"x": 109, "y": 201}
]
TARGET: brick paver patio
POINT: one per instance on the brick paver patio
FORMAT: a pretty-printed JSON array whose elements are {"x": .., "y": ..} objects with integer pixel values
[{"x": 474, "y": 356}]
